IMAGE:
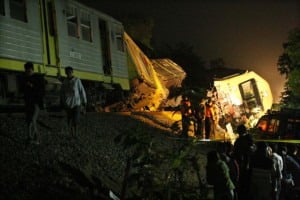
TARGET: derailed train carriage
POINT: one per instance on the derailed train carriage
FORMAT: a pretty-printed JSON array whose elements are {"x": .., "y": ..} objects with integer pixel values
[
  {"x": 246, "y": 94},
  {"x": 54, "y": 34}
]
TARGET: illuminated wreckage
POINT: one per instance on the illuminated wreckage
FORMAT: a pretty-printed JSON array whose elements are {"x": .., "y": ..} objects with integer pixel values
[{"x": 241, "y": 99}]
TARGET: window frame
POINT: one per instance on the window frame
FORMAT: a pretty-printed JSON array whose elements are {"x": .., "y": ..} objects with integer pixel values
[
  {"x": 262, "y": 124},
  {"x": 273, "y": 125},
  {"x": 120, "y": 42},
  {"x": 2, "y": 7},
  {"x": 72, "y": 20},
  {"x": 21, "y": 5},
  {"x": 85, "y": 17}
]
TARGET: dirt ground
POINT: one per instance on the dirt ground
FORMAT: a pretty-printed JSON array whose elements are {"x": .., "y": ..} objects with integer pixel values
[{"x": 62, "y": 167}]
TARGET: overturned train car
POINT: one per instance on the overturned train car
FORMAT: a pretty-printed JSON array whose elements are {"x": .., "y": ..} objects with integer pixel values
[{"x": 245, "y": 94}]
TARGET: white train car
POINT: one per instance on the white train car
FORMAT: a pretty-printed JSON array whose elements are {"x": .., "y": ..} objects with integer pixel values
[{"x": 245, "y": 93}]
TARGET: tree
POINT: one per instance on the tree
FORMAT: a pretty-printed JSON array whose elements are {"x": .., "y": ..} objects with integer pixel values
[
  {"x": 217, "y": 63},
  {"x": 155, "y": 171},
  {"x": 289, "y": 65},
  {"x": 140, "y": 28},
  {"x": 291, "y": 94},
  {"x": 184, "y": 55}
]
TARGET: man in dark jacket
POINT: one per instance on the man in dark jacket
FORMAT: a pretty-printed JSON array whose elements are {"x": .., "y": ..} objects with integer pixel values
[
  {"x": 242, "y": 150},
  {"x": 186, "y": 114},
  {"x": 262, "y": 174},
  {"x": 34, "y": 90}
]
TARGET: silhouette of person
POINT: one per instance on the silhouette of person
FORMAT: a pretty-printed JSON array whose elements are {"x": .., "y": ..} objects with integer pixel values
[
  {"x": 242, "y": 150},
  {"x": 199, "y": 114},
  {"x": 209, "y": 119},
  {"x": 217, "y": 174},
  {"x": 263, "y": 172},
  {"x": 34, "y": 91},
  {"x": 186, "y": 113}
]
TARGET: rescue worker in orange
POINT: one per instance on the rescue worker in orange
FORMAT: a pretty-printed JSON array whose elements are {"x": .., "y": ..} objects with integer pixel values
[
  {"x": 186, "y": 114},
  {"x": 209, "y": 119}
]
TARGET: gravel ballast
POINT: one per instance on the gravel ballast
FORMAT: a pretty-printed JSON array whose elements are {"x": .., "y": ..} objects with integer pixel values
[{"x": 61, "y": 166}]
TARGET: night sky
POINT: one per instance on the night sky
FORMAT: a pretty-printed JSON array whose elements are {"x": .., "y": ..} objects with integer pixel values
[{"x": 246, "y": 34}]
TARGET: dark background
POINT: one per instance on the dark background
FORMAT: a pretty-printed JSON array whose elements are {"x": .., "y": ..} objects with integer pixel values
[{"x": 246, "y": 34}]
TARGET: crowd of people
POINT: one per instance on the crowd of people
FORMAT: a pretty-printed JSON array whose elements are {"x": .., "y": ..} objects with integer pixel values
[
  {"x": 248, "y": 170},
  {"x": 204, "y": 115},
  {"x": 208, "y": 117}
]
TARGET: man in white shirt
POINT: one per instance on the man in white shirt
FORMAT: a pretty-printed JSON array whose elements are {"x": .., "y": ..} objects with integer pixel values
[
  {"x": 72, "y": 97},
  {"x": 278, "y": 166}
]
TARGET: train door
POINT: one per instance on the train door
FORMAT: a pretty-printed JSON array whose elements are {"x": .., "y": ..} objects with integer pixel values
[
  {"x": 49, "y": 26},
  {"x": 105, "y": 48}
]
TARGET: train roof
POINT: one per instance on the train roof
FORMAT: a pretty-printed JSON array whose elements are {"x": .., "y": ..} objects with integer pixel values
[
  {"x": 84, "y": 4},
  {"x": 233, "y": 75},
  {"x": 168, "y": 72}
]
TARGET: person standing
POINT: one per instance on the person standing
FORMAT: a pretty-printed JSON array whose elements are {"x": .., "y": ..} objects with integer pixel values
[
  {"x": 34, "y": 91},
  {"x": 225, "y": 151},
  {"x": 215, "y": 118},
  {"x": 217, "y": 174},
  {"x": 73, "y": 96},
  {"x": 209, "y": 122},
  {"x": 290, "y": 174},
  {"x": 263, "y": 174},
  {"x": 199, "y": 114},
  {"x": 242, "y": 150},
  {"x": 278, "y": 166},
  {"x": 186, "y": 113}
]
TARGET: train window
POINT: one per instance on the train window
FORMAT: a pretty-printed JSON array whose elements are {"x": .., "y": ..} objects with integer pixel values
[
  {"x": 248, "y": 90},
  {"x": 262, "y": 125},
  {"x": 18, "y": 10},
  {"x": 2, "y": 7},
  {"x": 85, "y": 25},
  {"x": 273, "y": 125},
  {"x": 250, "y": 94},
  {"x": 72, "y": 22},
  {"x": 120, "y": 42}
]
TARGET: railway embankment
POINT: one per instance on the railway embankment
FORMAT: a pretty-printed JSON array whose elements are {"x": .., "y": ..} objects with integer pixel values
[{"x": 63, "y": 167}]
